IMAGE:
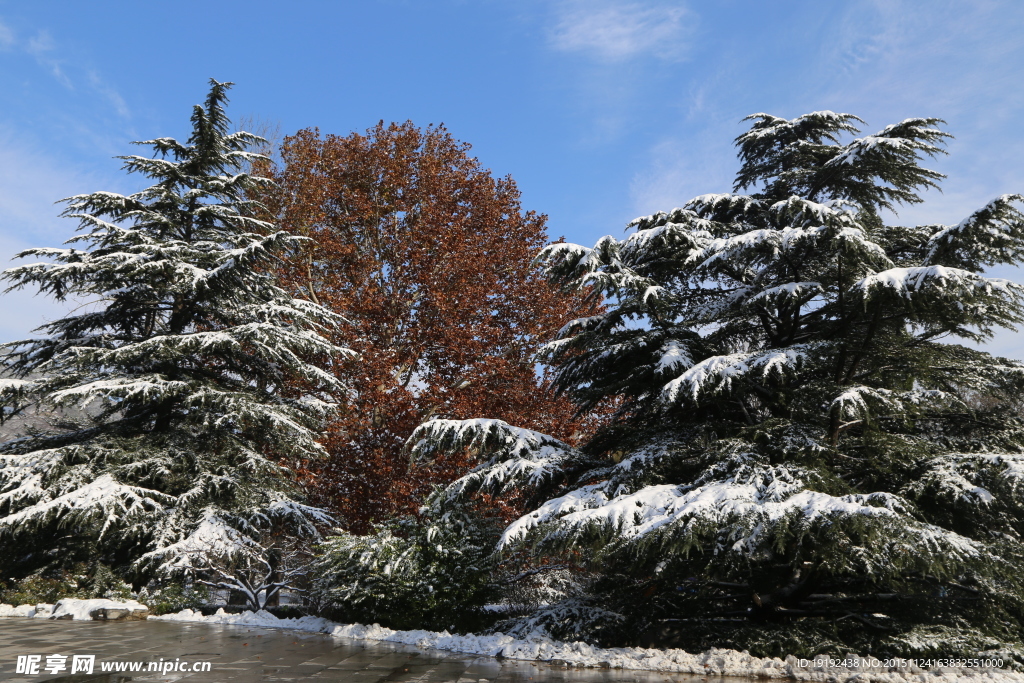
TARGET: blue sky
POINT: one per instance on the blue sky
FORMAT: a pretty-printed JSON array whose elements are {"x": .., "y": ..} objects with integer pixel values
[{"x": 602, "y": 110}]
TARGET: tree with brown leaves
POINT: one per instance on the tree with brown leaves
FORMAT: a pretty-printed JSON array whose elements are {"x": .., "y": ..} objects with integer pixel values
[{"x": 430, "y": 258}]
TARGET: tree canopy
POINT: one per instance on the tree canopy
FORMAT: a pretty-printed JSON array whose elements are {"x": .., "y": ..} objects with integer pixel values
[{"x": 429, "y": 259}]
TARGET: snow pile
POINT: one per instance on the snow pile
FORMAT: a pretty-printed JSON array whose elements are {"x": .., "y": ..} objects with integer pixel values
[
  {"x": 80, "y": 609},
  {"x": 721, "y": 662},
  {"x": 261, "y": 618},
  {"x": 69, "y": 608},
  {"x": 40, "y": 611},
  {"x": 713, "y": 662}
]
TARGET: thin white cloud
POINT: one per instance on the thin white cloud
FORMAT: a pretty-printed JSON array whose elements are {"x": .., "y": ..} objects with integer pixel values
[
  {"x": 868, "y": 33},
  {"x": 109, "y": 93},
  {"x": 41, "y": 43},
  {"x": 7, "y": 39},
  {"x": 883, "y": 60},
  {"x": 940, "y": 54},
  {"x": 47, "y": 54},
  {"x": 24, "y": 310},
  {"x": 622, "y": 49},
  {"x": 958, "y": 61},
  {"x": 614, "y": 31},
  {"x": 42, "y": 47},
  {"x": 30, "y": 182},
  {"x": 677, "y": 171}
]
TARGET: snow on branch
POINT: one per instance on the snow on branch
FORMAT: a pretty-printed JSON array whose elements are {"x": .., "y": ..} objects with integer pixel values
[
  {"x": 725, "y": 206},
  {"x": 222, "y": 557},
  {"x": 718, "y": 373},
  {"x": 742, "y": 515},
  {"x": 968, "y": 480},
  {"x": 135, "y": 389},
  {"x": 799, "y": 212},
  {"x": 512, "y": 456},
  {"x": 487, "y": 437},
  {"x": 212, "y": 540},
  {"x": 790, "y": 293},
  {"x": 103, "y": 498},
  {"x": 993, "y": 234},
  {"x": 950, "y": 283},
  {"x": 14, "y": 388},
  {"x": 853, "y": 403},
  {"x": 869, "y": 145},
  {"x": 680, "y": 232},
  {"x": 675, "y": 357},
  {"x": 567, "y": 263}
]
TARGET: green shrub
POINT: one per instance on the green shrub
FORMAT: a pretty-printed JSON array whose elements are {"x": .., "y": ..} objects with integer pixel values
[
  {"x": 48, "y": 587},
  {"x": 429, "y": 573},
  {"x": 173, "y": 597},
  {"x": 80, "y": 581},
  {"x": 105, "y": 584}
]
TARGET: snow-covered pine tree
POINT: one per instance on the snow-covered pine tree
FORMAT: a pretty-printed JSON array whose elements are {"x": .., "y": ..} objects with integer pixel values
[
  {"x": 804, "y": 460},
  {"x": 179, "y": 356}
]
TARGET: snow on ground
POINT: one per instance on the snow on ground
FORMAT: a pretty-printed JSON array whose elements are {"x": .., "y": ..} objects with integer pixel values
[
  {"x": 715, "y": 661},
  {"x": 40, "y": 611},
  {"x": 77, "y": 609},
  {"x": 80, "y": 609},
  {"x": 262, "y": 618}
]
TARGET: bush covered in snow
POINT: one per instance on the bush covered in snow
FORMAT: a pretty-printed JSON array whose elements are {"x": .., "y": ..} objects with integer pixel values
[
  {"x": 802, "y": 461},
  {"x": 432, "y": 572},
  {"x": 167, "y": 597}
]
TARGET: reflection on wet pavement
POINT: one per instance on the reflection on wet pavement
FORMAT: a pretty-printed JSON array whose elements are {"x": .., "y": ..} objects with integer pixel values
[{"x": 244, "y": 654}]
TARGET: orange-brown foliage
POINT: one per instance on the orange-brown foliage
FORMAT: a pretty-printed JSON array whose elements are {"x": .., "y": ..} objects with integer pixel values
[{"x": 429, "y": 257}]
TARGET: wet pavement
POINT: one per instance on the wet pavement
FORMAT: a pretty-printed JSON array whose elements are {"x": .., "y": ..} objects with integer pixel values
[{"x": 243, "y": 654}]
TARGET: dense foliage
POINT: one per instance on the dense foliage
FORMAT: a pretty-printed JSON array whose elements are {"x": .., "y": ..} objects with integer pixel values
[
  {"x": 433, "y": 571},
  {"x": 802, "y": 459},
  {"x": 429, "y": 258},
  {"x": 168, "y": 388}
]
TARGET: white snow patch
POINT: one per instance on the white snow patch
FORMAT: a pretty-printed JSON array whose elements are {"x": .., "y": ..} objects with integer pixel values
[
  {"x": 261, "y": 618},
  {"x": 675, "y": 357},
  {"x": 40, "y": 611},
  {"x": 80, "y": 609}
]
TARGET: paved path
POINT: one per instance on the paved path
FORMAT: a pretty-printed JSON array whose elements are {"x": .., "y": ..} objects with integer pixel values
[{"x": 243, "y": 654}]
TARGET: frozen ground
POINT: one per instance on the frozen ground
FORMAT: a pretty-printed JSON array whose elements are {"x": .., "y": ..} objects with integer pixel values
[
  {"x": 540, "y": 648},
  {"x": 248, "y": 654}
]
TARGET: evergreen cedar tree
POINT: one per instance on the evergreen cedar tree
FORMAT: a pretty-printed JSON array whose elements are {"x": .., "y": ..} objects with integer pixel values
[
  {"x": 181, "y": 361},
  {"x": 804, "y": 460},
  {"x": 430, "y": 260}
]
